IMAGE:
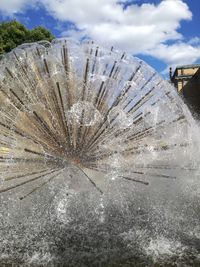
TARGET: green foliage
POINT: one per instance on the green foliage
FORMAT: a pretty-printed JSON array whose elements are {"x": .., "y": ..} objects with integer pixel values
[
  {"x": 13, "y": 33},
  {"x": 40, "y": 33}
]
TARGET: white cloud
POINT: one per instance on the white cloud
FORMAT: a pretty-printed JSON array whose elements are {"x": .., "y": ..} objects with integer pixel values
[
  {"x": 136, "y": 28},
  {"x": 177, "y": 54},
  {"x": 10, "y": 7},
  {"x": 195, "y": 41},
  {"x": 144, "y": 28}
]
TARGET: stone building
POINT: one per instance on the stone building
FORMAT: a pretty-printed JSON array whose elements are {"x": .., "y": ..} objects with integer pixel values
[{"x": 187, "y": 81}]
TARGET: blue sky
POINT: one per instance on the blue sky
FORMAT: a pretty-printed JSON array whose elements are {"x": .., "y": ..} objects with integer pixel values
[{"x": 162, "y": 32}]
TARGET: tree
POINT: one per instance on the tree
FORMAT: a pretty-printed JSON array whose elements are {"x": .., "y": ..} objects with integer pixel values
[
  {"x": 40, "y": 33},
  {"x": 13, "y": 33}
]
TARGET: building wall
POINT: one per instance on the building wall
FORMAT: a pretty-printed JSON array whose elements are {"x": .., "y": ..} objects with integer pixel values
[
  {"x": 180, "y": 85},
  {"x": 191, "y": 93},
  {"x": 187, "y": 71},
  {"x": 187, "y": 82},
  {"x": 182, "y": 76}
]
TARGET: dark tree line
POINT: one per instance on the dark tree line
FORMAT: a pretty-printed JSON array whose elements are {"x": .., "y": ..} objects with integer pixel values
[{"x": 13, "y": 33}]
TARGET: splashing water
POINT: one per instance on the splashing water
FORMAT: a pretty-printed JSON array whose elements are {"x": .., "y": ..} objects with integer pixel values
[
  {"x": 83, "y": 131},
  {"x": 91, "y": 114}
]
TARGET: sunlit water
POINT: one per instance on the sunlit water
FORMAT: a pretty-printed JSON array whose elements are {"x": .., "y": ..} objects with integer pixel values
[{"x": 99, "y": 161}]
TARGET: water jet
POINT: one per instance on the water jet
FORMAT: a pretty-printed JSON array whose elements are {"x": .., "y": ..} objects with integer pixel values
[{"x": 96, "y": 149}]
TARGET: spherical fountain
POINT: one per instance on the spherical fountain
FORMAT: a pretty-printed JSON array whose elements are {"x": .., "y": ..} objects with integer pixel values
[{"x": 99, "y": 161}]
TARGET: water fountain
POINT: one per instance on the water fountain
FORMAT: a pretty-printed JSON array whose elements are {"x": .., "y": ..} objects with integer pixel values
[{"x": 99, "y": 161}]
